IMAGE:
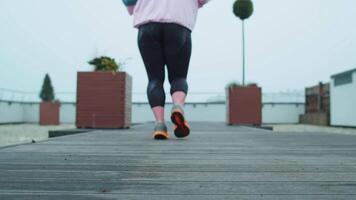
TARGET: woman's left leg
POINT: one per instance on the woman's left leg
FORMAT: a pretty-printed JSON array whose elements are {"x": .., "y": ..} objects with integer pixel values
[{"x": 151, "y": 49}]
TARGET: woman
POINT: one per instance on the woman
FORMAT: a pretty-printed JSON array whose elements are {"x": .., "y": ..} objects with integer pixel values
[{"x": 164, "y": 39}]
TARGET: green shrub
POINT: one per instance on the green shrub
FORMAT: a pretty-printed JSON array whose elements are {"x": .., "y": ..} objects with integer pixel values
[
  {"x": 105, "y": 63},
  {"x": 233, "y": 84}
]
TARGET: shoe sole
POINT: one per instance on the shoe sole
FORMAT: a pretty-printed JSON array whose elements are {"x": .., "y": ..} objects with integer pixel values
[
  {"x": 160, "y": 136},
  {"x": 181, "y": 130}
]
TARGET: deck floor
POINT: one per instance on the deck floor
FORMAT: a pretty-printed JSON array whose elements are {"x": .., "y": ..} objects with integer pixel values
[{"x": 215, "y": 162}]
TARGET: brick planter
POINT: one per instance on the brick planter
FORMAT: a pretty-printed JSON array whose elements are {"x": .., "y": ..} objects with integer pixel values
[
  {"x": 49, "y": 113},
  {"x": 244, "y": 105},
  {"x": 103, "y": 100}
]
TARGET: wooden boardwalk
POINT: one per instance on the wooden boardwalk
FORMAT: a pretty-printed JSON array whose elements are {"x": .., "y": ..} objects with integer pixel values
[{"x": 216, "y": 162}]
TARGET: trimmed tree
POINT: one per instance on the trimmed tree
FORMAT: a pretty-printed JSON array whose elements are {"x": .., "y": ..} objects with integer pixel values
[
  {"x": 243, "y": 9},
  {"x": 47, "y": 93}
]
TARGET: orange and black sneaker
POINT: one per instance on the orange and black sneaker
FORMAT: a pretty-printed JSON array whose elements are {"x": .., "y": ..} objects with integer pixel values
[
  {"x": 160, "y": 132},
  {"x": 181, "y": 127}
]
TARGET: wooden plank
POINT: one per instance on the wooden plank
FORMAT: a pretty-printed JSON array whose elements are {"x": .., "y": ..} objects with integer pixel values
[
  {"x": 110, "y": 196},
  {"x": 81, "y": 175},
  {"x": 185, "y": 187},
  {"x": 186, "y": 167}
]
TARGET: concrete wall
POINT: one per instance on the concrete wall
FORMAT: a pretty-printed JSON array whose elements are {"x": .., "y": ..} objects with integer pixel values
[
  {"x": 215, "y": 112},
  {"x": 11, "y": 112},
  {"x": 194, "y": 112},
  {"x": 282, "y": 113},
  {"x": 32, "y": 113},
  {"x": 343, "y": 103},
  {"x": 67, "y": 113}
]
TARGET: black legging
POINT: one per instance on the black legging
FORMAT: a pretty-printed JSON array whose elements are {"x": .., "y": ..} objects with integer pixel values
[{"x": 165, "y": 44}]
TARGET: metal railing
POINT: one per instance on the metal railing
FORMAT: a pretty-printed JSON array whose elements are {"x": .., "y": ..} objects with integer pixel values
[{"x": 140, "y": 97}]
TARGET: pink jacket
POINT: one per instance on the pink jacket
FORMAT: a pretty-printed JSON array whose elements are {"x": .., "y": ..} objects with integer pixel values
[{"x": 183, "y": 12}]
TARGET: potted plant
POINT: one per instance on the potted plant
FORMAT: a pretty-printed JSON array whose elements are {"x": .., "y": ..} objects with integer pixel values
[
  {"x": 49, "y": 109},
  {"x": 244, "y": 104},
  {"x": 104, "y": 96}
]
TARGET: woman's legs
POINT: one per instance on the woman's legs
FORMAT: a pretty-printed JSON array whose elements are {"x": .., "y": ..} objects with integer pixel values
[{"x": 160, "y": 45}]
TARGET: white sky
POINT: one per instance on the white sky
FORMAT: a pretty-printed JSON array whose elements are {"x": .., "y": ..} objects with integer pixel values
[{"x": 291, "y": 44}]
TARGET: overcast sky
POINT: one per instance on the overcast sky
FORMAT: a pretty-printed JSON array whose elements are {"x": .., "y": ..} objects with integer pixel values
[{"x": 291, "y": 44}]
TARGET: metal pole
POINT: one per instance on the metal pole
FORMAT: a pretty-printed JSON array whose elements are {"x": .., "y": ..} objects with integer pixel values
[{"x": 243, "y": 53}]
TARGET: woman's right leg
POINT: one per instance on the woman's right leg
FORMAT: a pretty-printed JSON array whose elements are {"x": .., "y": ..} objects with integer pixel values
[
  {"x": 151, "y": 49},
  {"x": 177, "y": 49}
]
